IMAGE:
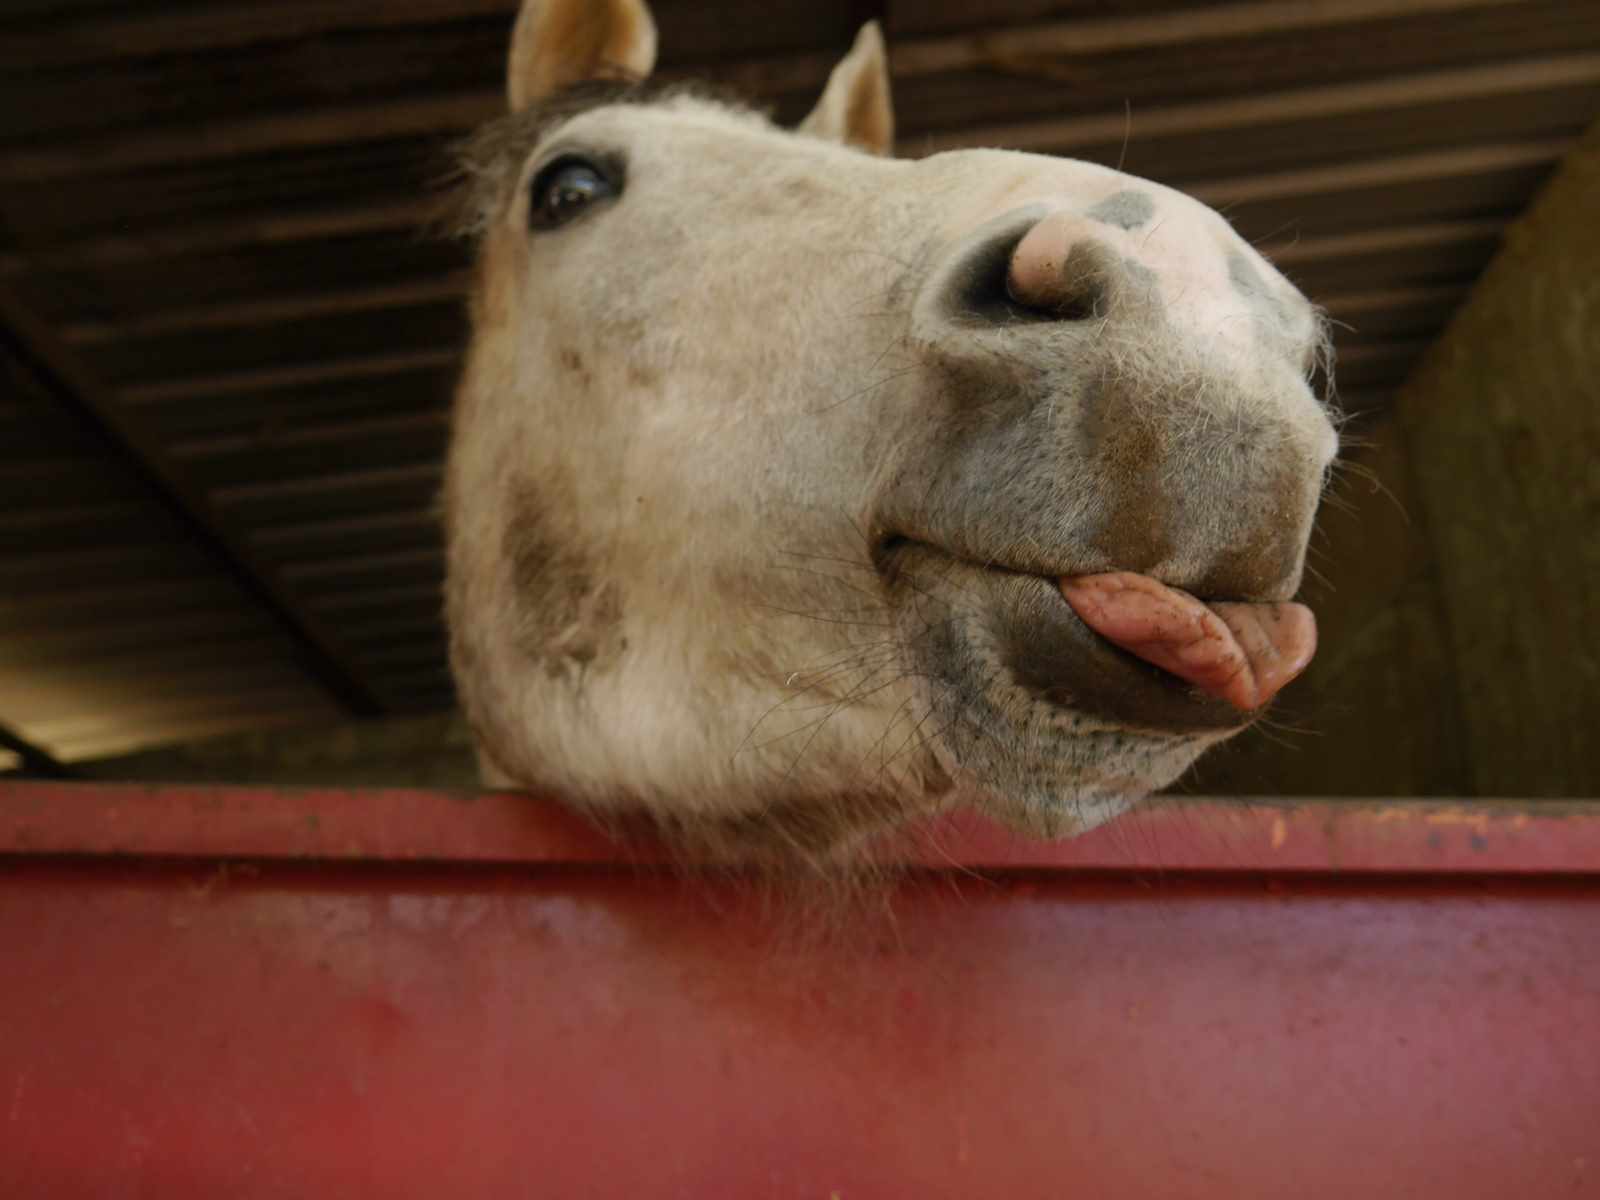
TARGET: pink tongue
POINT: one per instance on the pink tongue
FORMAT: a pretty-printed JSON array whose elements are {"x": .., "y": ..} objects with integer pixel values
[{"x": 1241, "y": 653}]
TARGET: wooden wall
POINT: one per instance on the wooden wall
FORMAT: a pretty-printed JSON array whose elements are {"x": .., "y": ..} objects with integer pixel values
[{"x": 1460, "y": 603}]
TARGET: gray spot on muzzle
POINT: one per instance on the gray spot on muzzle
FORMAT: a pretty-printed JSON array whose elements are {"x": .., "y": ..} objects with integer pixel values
[
  {"x": 1143, "y": 278},
  {"x": 1248, "y": 283},
  {"x": 1245, "y": 278},
  {"x": 1125, "y": 210}
]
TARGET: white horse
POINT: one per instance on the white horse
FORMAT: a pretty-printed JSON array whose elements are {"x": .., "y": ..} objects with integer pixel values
[{"x": 797, "y": 491}]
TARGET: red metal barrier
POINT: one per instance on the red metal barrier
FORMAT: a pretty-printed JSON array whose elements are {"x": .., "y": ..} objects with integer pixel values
[{"x": 234, "y": 992}]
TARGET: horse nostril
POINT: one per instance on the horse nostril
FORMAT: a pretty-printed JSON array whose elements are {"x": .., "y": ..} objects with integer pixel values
[
  {"x": 1029, "y": 266},
  {"x": 1067, "y": 282}
]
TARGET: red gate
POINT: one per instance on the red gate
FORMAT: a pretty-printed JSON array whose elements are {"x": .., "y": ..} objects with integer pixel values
[{"x": 253, "y": 993}]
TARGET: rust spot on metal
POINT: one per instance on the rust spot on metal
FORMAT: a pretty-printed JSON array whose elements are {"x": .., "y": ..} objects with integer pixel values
[{"x": 1280, "y": 831}]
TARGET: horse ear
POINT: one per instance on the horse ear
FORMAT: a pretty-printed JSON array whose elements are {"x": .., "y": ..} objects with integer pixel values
[
  {"x": 561, "y": 42},
  {"x": 855, "y": 105}
]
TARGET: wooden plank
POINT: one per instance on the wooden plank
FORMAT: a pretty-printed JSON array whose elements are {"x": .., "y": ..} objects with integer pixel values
[
  {"x": 47, "y": 570},
  {"x": 178, "y": 203},
  {"x": 332, "y": 495},
  {"x": 380, "y": 443},
  {"x": 954, "y": 16},
  {"x": 171, "y": 599},
  {"x": 450, "y": 288},
  {"x": 402, "y": 568},
  {"x": 376, "y": 634},
  {"x": 395, "y": 119},
  {"x": 1171, "y": 27},
  {"x": 74, "y": 287},
  {"x": 1267, "y": 131},
  {"x": 1108, "y": 82},
  {"x": 701, "y": 28},
  {"x": 1450, "y": 186},
  {"x": 227, "y": 83},
  {"x": 422, "y": 652},
  {"x": 71, "y": 527},
  {"x": 1503, "y": 425},
  {"x": 1392, "y": 314},
  {"x": 421, "y": 603},
  {"x": 152, "y": 30},
  {"x": 314, "y": 541},
  {"x": 302, "y": 375},
  {"x": 265, "y": 411},
  {"x": 1426, "y": 253},
  {"x": 315, "y": 435},
  {"x": 313, "y": 342},
  {"x": 431, "y": 680},
  {"x": 1378, "y": 364},
  {"x": 403, "y": 217},
  {"x": 422, "y": 701}
]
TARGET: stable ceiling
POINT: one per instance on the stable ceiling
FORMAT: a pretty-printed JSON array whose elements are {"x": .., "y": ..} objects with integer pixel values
[{"x": 227, "y": 350}]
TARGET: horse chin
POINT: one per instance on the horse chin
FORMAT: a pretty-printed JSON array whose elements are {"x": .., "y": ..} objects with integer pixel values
[{"x": 1047, "y": 728}]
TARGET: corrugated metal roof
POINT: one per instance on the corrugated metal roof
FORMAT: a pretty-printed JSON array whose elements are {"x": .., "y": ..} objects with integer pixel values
[{"x": 229, "y": 349}]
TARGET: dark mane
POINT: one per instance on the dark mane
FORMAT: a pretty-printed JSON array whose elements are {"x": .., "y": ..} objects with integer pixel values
[{"x": 487, "y": 162}]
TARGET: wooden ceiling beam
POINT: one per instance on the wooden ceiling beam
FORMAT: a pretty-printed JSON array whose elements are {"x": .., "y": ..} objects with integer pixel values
[
  {"x": 1345, "y": 305},
  {"x": 404, "y": 217},
  {"x": 202, "y": 387},
  {"x": 321, "y": 303},
  {"x": 1299, "y": 251},
  {"x": 1427, "y": 166},
  {"x": 242, "y": 136},
  {"x": 317, "y": 434}
]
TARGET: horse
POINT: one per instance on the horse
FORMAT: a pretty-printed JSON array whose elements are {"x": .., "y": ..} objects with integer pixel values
[{"x": 797, "y": 492}]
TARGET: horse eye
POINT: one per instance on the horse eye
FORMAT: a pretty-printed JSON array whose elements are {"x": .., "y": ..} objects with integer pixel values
[{"x": 565, "y": 189}]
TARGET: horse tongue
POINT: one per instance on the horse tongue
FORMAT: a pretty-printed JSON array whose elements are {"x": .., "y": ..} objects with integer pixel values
[{"x": 1241, "y": 653}]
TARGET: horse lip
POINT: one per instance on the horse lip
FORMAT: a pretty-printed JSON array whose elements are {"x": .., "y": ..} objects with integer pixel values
[
  {"x": 889, "y": 544},
  {"x": 1052, "y": 653},
  {"x": 1071, "y": 665}
]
